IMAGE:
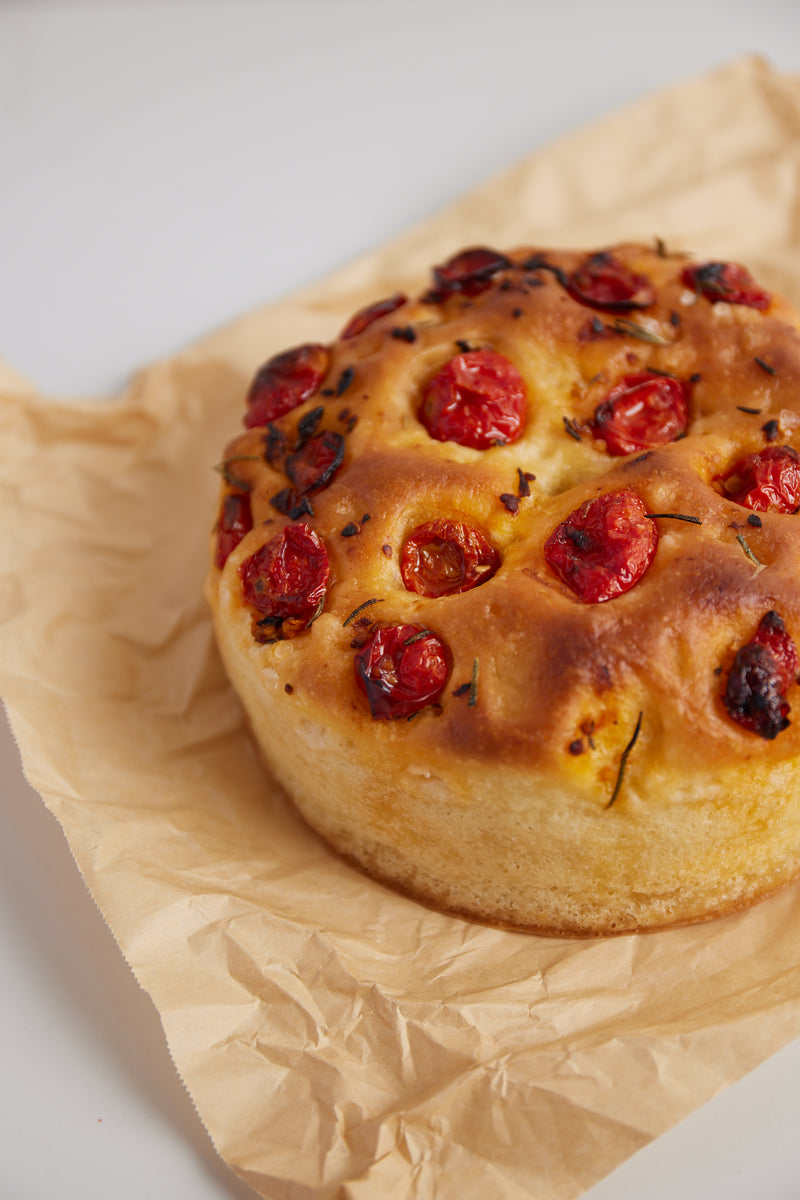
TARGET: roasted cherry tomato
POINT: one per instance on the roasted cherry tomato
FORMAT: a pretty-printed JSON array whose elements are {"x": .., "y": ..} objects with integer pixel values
[
  {"x": 235, "y": 520},
  {"x": 400, "y": 670},
  {"x": 443, "y": 557},
  {"x": 725, "y": 281},
  {"x": 466, "y": 273},
  {"x": 768, "y": 481},
  {"x": 602, "y": 281},
  {"x": 604, "y": 547},
  {"x": 365, "y": 316},
  {"x": 286, "y": 579},
  {"x": 314, "y": 465},
  {"x": 642, "y": 411},
  {"x": 762, "y": 673},
  {"x": 478, "y": 399},
  {"x": 284, "y": 382}
]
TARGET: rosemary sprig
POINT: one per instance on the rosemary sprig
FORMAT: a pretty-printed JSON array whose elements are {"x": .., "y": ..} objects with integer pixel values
[
  {"x": 623, "y": 762},
  {"x": 743, "y": 543},
  {"x": 674, "y": 517},
  {"x": 361, "y": 607},
  {"x": 633, "y": 329},
  {"x": 417, "y": 637},
  {"x": 473, "y": 684}
]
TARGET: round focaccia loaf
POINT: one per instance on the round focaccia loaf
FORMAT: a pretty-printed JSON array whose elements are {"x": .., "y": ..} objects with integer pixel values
[{"x": 507, "y": 578}]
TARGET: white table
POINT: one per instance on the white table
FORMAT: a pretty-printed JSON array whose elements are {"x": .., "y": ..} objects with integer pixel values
[{"x": 164, "y": 166}]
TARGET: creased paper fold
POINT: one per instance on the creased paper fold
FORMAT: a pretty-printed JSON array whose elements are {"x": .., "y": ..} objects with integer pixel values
[{"x": 339, "y": 1041}]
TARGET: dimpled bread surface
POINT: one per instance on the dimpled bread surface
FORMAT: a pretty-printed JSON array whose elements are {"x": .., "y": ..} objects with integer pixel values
[{"x": 580, "y": 771}]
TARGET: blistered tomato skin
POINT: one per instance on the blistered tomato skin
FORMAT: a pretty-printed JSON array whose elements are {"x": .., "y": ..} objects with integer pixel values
[
  {"x": 604, "y": 547},
  {"x": 444, "y": 557},
  {"x": 284, "y": 382},
  {"x": 477, "y": 399},
  {"x": 768, "y": 481},
  {"x": 401, "y": 670},
  {"x": 235, "y": 520},
  {"x": 467, "y": 273},
  {"x": 373, "y": 312},
  {"x": 728, "y": 282},
  {"x": 642, "y": 411},
  {"x": 287, "y": 578},
  {"x": 762, "y": 673},
  {"x": 603, "y": 282}
]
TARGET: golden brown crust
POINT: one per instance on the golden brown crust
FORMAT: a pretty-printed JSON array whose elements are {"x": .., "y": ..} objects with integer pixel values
[{"x": 494, "y": 802}]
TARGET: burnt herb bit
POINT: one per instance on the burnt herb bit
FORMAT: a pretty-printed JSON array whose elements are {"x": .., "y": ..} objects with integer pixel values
[
  {"x": 523, "y": 484},
  {"x": 572, "y": 428},
  {"x": 755, "y": 412},
  {"x": 623, "y": 762},
  {"x": 509, "y": 501},
  {"x": 307, "y": 426},
  {"x": 755, "y": 520},
  {"x": 464, "y": 346},
  {"x": 743, "y": 543},
  {"x": 771, "y": 429},
  {"x": 538, "y": 262},
  {"x": 765, "y": 366},
  {"x": 695, "y": 378},
  {"x": 675, "y": 319},
  {"x": 345, "y": 379},
  {"x": 287, "y": 687},
  {"x": 462, "y": 689},
  {"x": 516, "y": 312},
  {"x": 404, "y": 333},
  {"x": 360, "y": 609},
  {"x": 350, "y": 530}
]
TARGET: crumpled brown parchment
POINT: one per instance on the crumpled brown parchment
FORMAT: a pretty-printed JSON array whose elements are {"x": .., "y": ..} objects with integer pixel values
[{"x": 338, "y": 1040}]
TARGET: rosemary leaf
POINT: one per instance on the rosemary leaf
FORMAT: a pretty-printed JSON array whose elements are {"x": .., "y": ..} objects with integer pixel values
[{"x": 624, "y": 761}]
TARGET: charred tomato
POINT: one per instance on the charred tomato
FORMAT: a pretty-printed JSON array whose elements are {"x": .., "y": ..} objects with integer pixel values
[
  {"x": 604, "y": 547},
  {"x": 602, "y": 281},
  {"x": 477, "y": 399},
  {"x": 725, "y": 281},
  {"x": 444, "y": 557},
  {"x": 286, "y": 381},
  {"x": 642, "y": 411},
  {"x": 762, "y": 673},
  {"x": 235, "y": 520},
  {"x": 365, "y": 316},
  {"x": 287, "y": 578},
  {"x": 468, "y": 273},
  {"x": 401, "y": 669}
]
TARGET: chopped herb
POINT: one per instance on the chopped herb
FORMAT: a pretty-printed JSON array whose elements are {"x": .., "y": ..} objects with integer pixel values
[
  {"x": 307, "y": 425},
  {"x": 765, "y": 366},
  {"x": 753, "y": 411},
  {"x": 572, "y": 428},
  {"x": 229, "y": 477},
  {"x": 360, "y": 608},
  {"x": 624, "y": 761},
  {"x": 329, "y": 391},
  {"x": 510, "y": 501},
  {"x": 742, "y": 542},
  {"x": 770, "y": 430},
  {"x": 523, "y": 487},
  {"x": 404, "y": 333},
  {"x": 344, "y": 381},
  {"x": 755, "y": 520},
  {"x": 351, "y": 424},
  {"x": 417, "y": 637},
  {"x": 516, "y": 312},
  {"x": 462, "y": 689},
  {"x": 366, "y": 517},
  {"x": 350, "y": 530},
  {"x": 658, "y": 371},
  {"x": 473, "y": 684},
  {"x": 675, "y": 517},
  {"x": 632, "y": 329}
]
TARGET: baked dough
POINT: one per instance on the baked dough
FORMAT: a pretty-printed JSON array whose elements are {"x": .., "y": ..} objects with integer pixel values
[{"x": 506, "y": 578}]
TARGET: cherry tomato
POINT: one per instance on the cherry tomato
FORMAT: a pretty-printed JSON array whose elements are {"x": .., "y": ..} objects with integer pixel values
[
  {"x": 401, "y": 670},
  {"x": 642, "y": 411},
  {"x": 467, "y": 273},
  {"x": 235, "y": 520},
  {"x": 365, "y": 316},
  {"x": 762, "y": 672},
  {"x": 314, "y": 465},
  {"x": 602, "y": 281},
  {"x": 478, "y": 399},
  {"x": 443, "y": 557},
  {"x": 725, "y": 281},
  {"x": 284, "y": 382},
  {"x": 287, "y": 578},
  {"x": 768, "y": 481},
  {"x": 604, "y": 547}
]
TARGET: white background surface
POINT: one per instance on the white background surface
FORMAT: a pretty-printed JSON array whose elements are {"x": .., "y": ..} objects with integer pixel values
[{"x": 165, "y": 165}]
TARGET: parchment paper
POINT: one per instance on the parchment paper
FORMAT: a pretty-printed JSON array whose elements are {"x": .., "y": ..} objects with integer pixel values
[{"x": 338, "y": 1040}]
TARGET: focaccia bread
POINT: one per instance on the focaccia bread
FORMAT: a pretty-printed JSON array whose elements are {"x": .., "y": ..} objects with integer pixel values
[{"x": 507, "y": 578}]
